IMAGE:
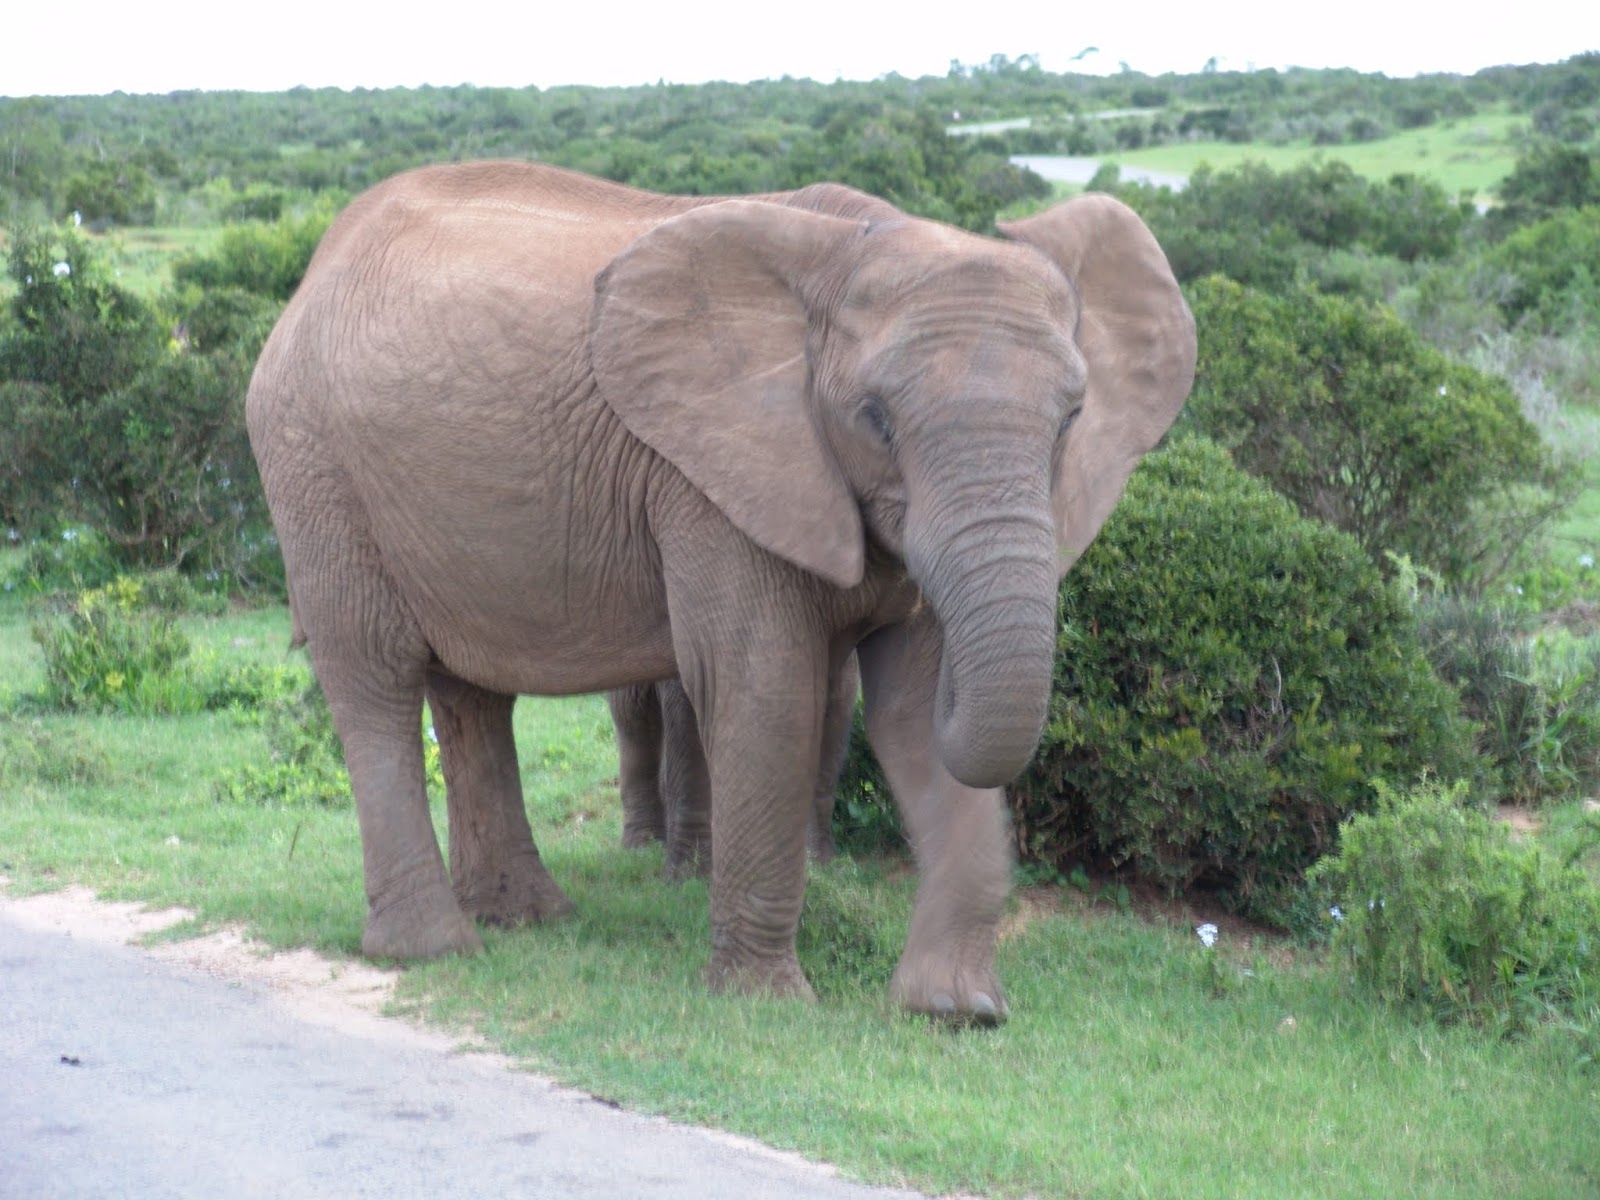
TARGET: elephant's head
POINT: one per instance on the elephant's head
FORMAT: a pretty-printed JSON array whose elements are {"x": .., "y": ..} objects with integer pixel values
[{"x": 972, "y": 405}]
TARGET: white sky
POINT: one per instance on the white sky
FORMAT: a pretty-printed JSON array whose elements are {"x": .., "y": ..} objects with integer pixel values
[{"x": 69, "y": 47}]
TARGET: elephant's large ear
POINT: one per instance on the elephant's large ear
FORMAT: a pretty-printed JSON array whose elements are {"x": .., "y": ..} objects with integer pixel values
[
  {"x": 699, "y": 345},
  {"x": 1137, "y": 337}
]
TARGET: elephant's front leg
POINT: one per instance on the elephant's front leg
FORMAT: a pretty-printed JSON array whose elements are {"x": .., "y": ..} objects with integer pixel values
[
  {"x": 495, "y": 867},
  {"x": 958, "y": 834},
  {"x": 763, "y": 718}
]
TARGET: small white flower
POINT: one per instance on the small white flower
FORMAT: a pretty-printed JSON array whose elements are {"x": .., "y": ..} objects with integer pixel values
[
  {"x": 28, "y": 281},
  {"x": 60, "y": 269},
  {"x": 1336, "y": 913},
  {"x": 1586, "y": 560},
  {"x": 69, "y": 535},
  {"x": 1375, "y": 904},
  {"x": 77, "y": 218},
  {"x": 1207, "y": 934},
  {"x": 1441, "y": 389},
  {"x": 174, "y": 841}
]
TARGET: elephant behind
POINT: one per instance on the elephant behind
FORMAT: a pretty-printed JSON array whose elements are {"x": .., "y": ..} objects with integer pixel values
[
  {"x": 522, "y": 431},
  {"x": 666, "y": 791}
]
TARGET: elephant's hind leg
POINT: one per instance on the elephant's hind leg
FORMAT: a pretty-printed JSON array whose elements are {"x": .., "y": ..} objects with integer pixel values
[
  {"x": 371, "y": 661},
  {"x": 495, "y": 867},
  {"x": 636, "y": 715}
]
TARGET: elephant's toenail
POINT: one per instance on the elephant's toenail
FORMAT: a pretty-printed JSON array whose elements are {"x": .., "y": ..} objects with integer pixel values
[
  {"x": 944, "y": 1004},
  {"x": 984, "y": 1009}
]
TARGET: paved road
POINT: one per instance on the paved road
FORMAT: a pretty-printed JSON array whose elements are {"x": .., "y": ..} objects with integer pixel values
[{"x": 125, "y": 1076}]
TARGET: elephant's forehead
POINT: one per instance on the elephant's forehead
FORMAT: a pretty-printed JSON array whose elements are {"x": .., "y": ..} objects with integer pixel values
[{"x": 927, "y": 265}]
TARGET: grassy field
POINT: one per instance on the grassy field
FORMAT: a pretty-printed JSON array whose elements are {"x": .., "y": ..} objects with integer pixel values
[
  {"x": 1133, "y": 1065},
  {"x": 1465, "y": 155},
  {"x": 142, "y": 256}
]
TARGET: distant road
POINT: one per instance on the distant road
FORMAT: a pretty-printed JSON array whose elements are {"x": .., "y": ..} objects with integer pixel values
[{"x": 1069, "y": 168}]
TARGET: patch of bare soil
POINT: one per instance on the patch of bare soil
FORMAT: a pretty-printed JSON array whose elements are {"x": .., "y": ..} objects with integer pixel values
[
  {"x": 1524, "y": 822},
  {"x": 1580, "y": 617}
]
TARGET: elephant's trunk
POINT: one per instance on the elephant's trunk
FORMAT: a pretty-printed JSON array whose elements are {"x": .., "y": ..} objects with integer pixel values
[{"x": 991, "y": 578}]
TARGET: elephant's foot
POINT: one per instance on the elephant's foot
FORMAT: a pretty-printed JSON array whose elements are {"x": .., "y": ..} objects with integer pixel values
[
  {"x": 426, "y": 924},
  {"x": 948, "y": 989},
  {"x": 780, "y": 977},
  {"x": 636, "y": 834},
  {"x": 519, "y": 891},
  {"x": 688, "y": 859}
]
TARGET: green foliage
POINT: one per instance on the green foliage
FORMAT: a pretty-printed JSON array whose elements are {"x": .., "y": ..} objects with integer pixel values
[
  {"x": 305, "y": 764},
  {"x": 108, "y": 193},
  {"x": 865, "y": 819},
  {"x": 842, "y": 943},
  {"x": 1536, "y": 701},
  {"x": 1354, "y": 418},
  {"x": 109, "y": 420},
  {"x": 1553, "y": 267},
  {"x": 111, "y": 652},
  {"x": 264, "y": 260},
  {"x": 78, "y": 558},
  {"x": 1270, "y": 229},
  {"x": 1441, "y": 908},
  {"x": 1549, "y": 176},
  {"x": 1231, "y": 679}
]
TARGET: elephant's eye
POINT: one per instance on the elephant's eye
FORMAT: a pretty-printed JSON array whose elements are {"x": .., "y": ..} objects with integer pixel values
[{"x": 877, "y": 418}]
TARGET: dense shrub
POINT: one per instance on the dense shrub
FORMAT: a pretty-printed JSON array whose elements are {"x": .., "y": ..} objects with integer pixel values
[
  {"x": 1438, "y": 906},
  {"x": 1553, "y": 268},
  {"x": 267, "y": 260},
  {"x": 1535, "y": 700},
  {"x": 1231, "y": 679},
  {"x": 1548, "y": 177},
  {"x": 109, "y": 419},
  {"x": 1352, "y": 416},
  {"x": 1269, "y": 228},
  {"x": 110, "y": 651}
]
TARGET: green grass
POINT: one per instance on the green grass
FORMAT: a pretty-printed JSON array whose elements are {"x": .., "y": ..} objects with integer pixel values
[
  {"x": 1463, "y": 155},
  {"x": 140, "y": 256},
  {"x": 1125, "y": 1070}
]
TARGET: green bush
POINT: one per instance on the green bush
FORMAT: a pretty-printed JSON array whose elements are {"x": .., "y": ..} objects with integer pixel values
[
  {"x": 1348, "y": 413},
  {"x": 1554, "y": 267},
  {"x": 1536, "y": 701},
  {"x": 109, "y": 651},
  {"x": 1231, "y": 679},
  {"x": 1438, "y": 906},
  {"x": 111, "y": 417},
  {"x": 267, "y": 260},
  {"x": 306, "y": 760},
  {"x": 1271, "y": 228}
]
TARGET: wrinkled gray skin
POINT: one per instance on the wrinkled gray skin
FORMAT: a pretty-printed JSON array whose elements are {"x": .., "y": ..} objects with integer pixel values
[
  {"x": 523, "y": 431},
  {"x": 666, "y": 791}
]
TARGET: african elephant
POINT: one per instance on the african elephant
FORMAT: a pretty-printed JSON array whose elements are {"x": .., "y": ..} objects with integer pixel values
[
  {"x": 523, "y": 431},
  {"x": 666, "y": 792}
]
